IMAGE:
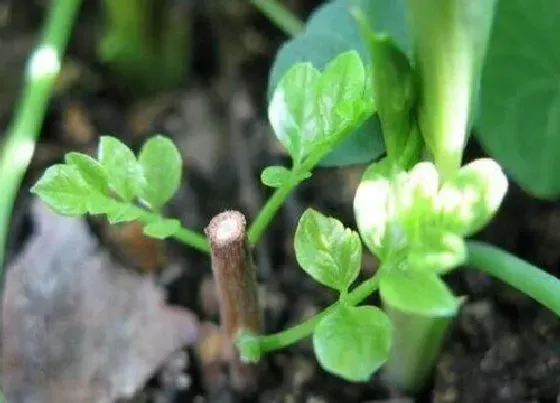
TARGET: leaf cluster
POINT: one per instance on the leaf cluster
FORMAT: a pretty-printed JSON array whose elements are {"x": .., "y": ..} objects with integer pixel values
[{"x": 117, "y": 184}]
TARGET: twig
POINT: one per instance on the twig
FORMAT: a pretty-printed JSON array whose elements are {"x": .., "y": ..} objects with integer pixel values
[{"x": 235, "y": 278}]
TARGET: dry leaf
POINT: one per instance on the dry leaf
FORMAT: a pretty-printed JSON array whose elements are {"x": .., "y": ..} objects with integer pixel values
[{"x": 77, "y": 327}]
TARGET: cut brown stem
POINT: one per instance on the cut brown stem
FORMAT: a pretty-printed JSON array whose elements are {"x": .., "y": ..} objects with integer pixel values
[{"x": 235, "y": 277}]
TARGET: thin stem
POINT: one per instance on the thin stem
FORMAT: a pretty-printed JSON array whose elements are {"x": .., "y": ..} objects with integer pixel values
[
  {"x": 192, "y": 239},
  {"x": 527, "y": 278},
  {"x": 280, "y": 15},
  {"x": 299, "y": 174},
  {"x": 289, "y": 336},
  {"x": 187, "y": 236},
  {"x": 267, "y": 213},
  {"x": 41, "y": 71}
]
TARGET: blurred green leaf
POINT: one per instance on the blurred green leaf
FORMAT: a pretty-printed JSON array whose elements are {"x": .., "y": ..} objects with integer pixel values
[
  {"x": 275, "y": 175},
  {"x": 124, "y": 174},
  {"x": 163, "y": 166},
  {"x": 90, "y": 170},
  {"x": 520, "y": 119},
  {"x": 64, "y": 190}
]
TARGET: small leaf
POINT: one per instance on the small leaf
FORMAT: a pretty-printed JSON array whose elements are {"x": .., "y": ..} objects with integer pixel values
[
  {"x": 292, "y": 111},
  {"x": 162, "y": 228},
  {"x": 436, "y": 250},
  {"x": 375, "y": 209},
  {"x": 327, "y": 251},
  {"x": 91, "y": 170},
  {"x": 122, "y": 212},
  {"x": 64, "y": 190},
  {"x": 275, "y": 175},
  {"x": 469, "y": 200},
  {"x": 417, "y": 292},
  {"x": 353, "y": 342},
  {"x": 162, "y": 166},
  {"x": 342, "y": 86},
  {"x": 124, "y": 174}
]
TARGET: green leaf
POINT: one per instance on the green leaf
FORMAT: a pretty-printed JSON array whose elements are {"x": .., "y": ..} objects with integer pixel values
[
  {"x": 436, "y": 250},
  {"x": 353, "y": 342},
  {"x": 122, "y": 212},
  {"x": 394, "y": 87},
  {"x": 417, "y": 292},
  {"x": 91, "y": 171},
  {"x": 520, "y": 118},
  {"x": 162, "y": 228},
  {"x": 163, "y": 166},
  {"x": 328, "y": 252},
  {"x": 275, "y": 175},
  {"x": 375, "y": 209},
  {"x": 362, "y": 142},
  {"x": 361, "y": 145},
  {"x": 64, "y": 190},
  {"x": 292, "y": 112},
  {"x": 341, "y": 95},
  {"x": 124, "y": 174},
  {"x": 311, "y": 110},
  {"x": 469, "y": 200}
]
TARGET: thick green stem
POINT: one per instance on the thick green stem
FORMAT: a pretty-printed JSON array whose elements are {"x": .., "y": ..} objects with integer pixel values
[
  {"x": 450, "y": 38},
  {"x": 416, "y": 345},
  {"x": 529, "y": 279},
  {"x": 289, "y": 336},
  {"x": 42, "y": 69},
  {"x": 280, "y": 15}
]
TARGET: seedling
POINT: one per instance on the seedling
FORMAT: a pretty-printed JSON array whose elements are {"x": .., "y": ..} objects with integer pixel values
[{"x": 414, "y": 208}]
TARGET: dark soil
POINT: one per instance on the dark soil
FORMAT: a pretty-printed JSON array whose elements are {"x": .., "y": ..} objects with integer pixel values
[{"x": 503, "y": 347}]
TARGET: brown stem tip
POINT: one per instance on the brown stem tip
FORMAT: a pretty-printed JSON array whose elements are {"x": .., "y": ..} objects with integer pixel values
[{"x": 235, "y": 277}]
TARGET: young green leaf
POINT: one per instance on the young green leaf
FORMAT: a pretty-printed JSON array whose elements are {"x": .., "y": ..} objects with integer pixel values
[
  {"x": 353, "y": 342},
  {"x": 91, "y": 171},
  {"x": 275, "y": 175},
  {"x": 64, "y": 190},
  {"x": 341, "y": 88},
  {"x": 162, "y": 228},
  {"x": 394, "y": 87},
  {"x": 417, "y": 292},
  {"x": 312, "y": 111},
  {"x": 469, "y": 199},
  {"x": 124, "y": 174},
  {"x": 327, "y": 251},
  {"x": 292, "y": 111},
  {"x": 162, "y": 165},
  {"x": 436, "y": 250},
  {"x": 375, "y": 209}
]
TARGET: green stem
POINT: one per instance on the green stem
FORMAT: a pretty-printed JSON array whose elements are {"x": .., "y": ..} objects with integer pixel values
[
  {"x": 289, "y": 336},
  {"x": 521, "y": 275},
  {"x": 300, "y": 172},
  {"x": 192, "y": 239},
  {"x": 187, "y": 236},
  {"x": 42, "y": 69},
  {"x": 267, "y": 213},
  {"x": 280, "y": 15}
]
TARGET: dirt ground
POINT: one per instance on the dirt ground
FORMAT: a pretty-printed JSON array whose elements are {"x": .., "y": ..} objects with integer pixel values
[{"x": 502, "y": 348}]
